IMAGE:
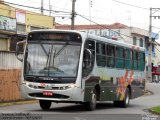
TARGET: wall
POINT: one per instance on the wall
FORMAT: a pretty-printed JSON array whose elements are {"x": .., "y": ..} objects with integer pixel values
[
  {"x": 38, "y": 20},
  {"x": 9, "y": 85},
  {"x": 10, "y": 75},
  {"x": 8, "y": 11}
]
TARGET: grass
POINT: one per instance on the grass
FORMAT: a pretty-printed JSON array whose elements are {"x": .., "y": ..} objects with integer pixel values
[{"x": 155, "y": 110}]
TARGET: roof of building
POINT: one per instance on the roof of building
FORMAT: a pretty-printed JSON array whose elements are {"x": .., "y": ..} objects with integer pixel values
[{"x": 100, "y": 26}]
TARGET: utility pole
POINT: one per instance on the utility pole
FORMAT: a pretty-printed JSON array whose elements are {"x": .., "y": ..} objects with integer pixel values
[
  {"x": 50, "y": 8},
  {"x": 42, "y": 7},
  {"x": 152, "y": 11},
  {"x": 73, "y": 14},
  {"x": 150, "y": 48},
  {"x": 90, "y": 6}
]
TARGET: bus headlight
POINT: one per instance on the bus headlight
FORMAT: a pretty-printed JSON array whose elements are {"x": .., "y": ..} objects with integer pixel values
[
  {"x": 67, "y": 87},
  {"x": 32, "y": 86}
]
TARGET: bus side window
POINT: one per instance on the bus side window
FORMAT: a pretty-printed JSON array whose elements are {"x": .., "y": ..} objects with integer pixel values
[
  {"x": 100, "y": 54},
  {"x": 128, "y": 59},
  {"x": 119, "y": 57},
  {"x": 135, "y": 60},
  {"x": 88, "y": 57},
  {"x": 141, "y": 61},
  {"x": 110, "y": 56}
]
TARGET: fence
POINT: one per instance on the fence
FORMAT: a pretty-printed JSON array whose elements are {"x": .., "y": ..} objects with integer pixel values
[{"x": 9, "y": 77}]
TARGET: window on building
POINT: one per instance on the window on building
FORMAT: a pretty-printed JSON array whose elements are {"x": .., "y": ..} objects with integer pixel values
[
  {"x": 146, "y": 43},
  {"x": 110, "y": 55},
  {"x": 119, "y": 57},
  {"x": 4, "y": 44},
  {"x": 141, "y": 42},
  {"x": 101, "y": 54},
  {"x": 134, "y": 41},
  {"x": 21, "y": 28}
]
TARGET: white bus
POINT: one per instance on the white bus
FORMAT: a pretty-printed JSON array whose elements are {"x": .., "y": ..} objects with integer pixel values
[{"x": 65, "y": 66}]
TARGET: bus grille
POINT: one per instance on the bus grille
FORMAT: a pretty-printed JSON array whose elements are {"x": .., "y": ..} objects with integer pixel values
[{"x": 59, "y": 96}]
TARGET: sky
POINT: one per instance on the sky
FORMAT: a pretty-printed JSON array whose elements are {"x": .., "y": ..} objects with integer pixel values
[{"x": 133, "y": 13}]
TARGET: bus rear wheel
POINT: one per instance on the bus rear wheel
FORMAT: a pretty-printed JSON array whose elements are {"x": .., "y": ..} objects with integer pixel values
[
  {"x": 91, "y": 105},
  {"x": 125, "y": 102},
  {"x": 45, "y": 104}
]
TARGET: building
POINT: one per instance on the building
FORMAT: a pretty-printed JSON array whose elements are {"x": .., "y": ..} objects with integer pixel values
[
  {"x": 14, "y": 26},
  {"x": 16, "y": 23}
]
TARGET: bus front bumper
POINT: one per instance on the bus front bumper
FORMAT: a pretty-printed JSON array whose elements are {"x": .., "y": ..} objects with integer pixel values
[{"x": 56, "y": 92}]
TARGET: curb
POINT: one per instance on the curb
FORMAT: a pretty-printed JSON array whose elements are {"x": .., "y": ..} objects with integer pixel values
[
  {"x": 21, "y": 102},
  {"x": 153, "y": 112}
]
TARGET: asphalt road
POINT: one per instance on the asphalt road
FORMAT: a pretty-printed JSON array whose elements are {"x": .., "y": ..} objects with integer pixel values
[{"x": 105, "y": 111}]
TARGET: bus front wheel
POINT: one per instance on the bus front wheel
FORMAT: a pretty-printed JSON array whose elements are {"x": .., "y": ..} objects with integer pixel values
[
  {"x": 91, "y": 105},
  {"x": 45, "y": 104}
]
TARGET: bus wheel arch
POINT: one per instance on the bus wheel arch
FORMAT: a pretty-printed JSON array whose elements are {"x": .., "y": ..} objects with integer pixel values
[
  {"x": 97, "y": 91},
  {"x": 124, "y": 103},
  {"x": 95, "y": 95}
]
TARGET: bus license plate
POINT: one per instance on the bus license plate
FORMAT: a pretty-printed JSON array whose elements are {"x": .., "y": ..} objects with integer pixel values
[{"x": 47, "y": 93}]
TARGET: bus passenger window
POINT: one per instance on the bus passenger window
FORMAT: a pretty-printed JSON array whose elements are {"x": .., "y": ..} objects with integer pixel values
[
  {"x": 141, "y": 61},
  {"x": 119, "y": 57},
  {"x": 135, "y": 60},
  {"x": 100, "y": 54},
  {"x": 128, "y": 59},
  {"x": 110, "y": 56}
]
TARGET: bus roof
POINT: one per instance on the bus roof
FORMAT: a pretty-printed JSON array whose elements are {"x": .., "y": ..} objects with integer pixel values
[{"x": 94, "y": 37}]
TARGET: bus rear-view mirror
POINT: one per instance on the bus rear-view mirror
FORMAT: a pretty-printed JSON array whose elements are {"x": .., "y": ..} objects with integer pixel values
[{"x": 19, "y": 52}]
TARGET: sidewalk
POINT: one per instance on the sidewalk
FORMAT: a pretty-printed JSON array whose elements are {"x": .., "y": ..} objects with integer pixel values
[{"x": 3, "y": 104}]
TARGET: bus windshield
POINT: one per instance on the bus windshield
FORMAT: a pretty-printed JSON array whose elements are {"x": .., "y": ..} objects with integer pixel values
[{"x": 53, "y": 60}]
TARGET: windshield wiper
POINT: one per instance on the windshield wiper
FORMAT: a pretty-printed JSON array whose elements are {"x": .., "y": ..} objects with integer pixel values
[
  {"x": 49, "y": 58},
  {"x": 51, "y": 55},
  {"x": 63, "y": 47}
]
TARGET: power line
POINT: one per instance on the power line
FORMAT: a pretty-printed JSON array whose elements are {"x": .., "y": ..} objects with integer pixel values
[
  {"x": 33, "y": 7},
  {"x": 103, "y": 26},
  {"x": 77, "y": 14},
  {"x": 156, "y": 27},
  {"x": 38, "y": 14},
  {"x": 47, "y": 5},
  {"x": 130, "y": 5},
  {"x": 27, "y": 13}
]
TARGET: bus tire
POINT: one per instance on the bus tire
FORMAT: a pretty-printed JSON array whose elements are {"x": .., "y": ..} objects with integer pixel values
[
  {"x": 91, "y": 105},
  {"x": 116, "y": 103},
  {"x": 126, "y": 100},
  {"x": 45, "y": 104}
]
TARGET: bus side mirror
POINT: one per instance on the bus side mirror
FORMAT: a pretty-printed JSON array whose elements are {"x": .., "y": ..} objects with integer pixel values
[
  {"x": 87, "y": 58},
  {"x": 18, "y": 53}
]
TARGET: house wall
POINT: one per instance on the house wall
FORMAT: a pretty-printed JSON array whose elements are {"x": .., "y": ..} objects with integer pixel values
[{"x": 10, "y": 75}]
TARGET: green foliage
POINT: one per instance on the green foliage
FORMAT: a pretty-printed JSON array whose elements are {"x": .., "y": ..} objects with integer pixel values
[{"x": 155, "y": 110}]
